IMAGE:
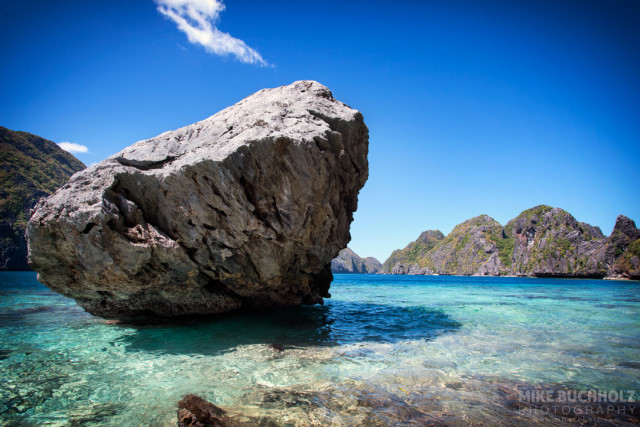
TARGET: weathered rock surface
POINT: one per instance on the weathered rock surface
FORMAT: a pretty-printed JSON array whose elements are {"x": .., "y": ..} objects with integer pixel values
[
  {"x": 349, "y": 262},
  {"x": 624, "y": 247},
  {"x": 551, "y": 242},
  {"x": 406, "y": 261},
  {"x": 541, "y": 242},
  {"x": 30, "y": 167},
  {"x": 244, "y": 209},
  {"x": 194, "y": 411},
  {"x": 470, "y": 249}
]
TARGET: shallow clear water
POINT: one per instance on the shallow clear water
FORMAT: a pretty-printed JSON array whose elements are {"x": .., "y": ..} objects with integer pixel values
[{"x": 383, "y": 350}]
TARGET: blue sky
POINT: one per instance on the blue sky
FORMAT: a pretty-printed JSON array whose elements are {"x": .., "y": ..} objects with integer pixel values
[{"x": 473, "y": 106}]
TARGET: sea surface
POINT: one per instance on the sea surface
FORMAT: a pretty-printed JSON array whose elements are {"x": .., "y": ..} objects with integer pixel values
[{"x": 384, "y": 350}]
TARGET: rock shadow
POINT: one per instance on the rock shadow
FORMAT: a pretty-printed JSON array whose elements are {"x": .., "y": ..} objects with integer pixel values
[{"x": 336, "y": 323}]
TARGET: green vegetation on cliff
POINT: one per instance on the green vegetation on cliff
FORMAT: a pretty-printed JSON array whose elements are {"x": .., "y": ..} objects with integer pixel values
[
  {"x": 551, "y": 242},
  {"x": 30, "y": 167},
  {"x": 541, "y": 241},
  {"x": 415, "y": 252},
  {"x": 629, "y": 261},
  {"x": 505, "y": 249},
  {"x": 467, "y": 247},
  {"x": 625, "y": 247}
]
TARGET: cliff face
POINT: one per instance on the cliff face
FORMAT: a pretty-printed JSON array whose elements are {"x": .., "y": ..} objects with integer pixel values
[
  {"x": 245, "y": 209},
  {"x": 540, "y": 242},
  {"x": 624, "y": 247},
  {"x": 410, "y": 260},
  {"x": 30, "y": 168},
  {"x": 550, "y": 242},
  {"x": 349, "y": 262},
  {"x": 469, "y": 249}
]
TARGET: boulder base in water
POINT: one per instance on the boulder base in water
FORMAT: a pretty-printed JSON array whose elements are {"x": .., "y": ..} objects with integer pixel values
[{"x": 245, "y": 209}]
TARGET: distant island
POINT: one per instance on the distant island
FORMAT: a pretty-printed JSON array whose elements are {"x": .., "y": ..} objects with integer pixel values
[
  {"x": 540, "y": 242},
  {"x": 31, "y": 167},
  {"x": 349, "y": 262}
]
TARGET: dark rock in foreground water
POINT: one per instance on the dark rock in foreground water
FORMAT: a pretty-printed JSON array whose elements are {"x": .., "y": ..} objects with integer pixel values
[
  {"x": 245, "y": 209},
  {"x": 194, "y": 411}
]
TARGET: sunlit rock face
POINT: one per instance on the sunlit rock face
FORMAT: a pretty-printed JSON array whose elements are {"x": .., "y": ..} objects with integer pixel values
[{"x": 245, "y": 209}]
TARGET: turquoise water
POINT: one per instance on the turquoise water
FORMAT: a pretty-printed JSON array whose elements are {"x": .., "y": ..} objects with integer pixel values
[{"x": 384, "y": 350}]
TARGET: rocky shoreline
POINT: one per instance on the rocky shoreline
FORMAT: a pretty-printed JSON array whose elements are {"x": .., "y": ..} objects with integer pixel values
[
  {"x": 512, "y": 402},
  {"x": 540, "y": 242}
]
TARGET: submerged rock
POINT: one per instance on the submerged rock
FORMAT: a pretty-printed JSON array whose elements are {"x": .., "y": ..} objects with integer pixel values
[
  {"x": 194, "y": 411},
  {"x": 244, "y": 209}
]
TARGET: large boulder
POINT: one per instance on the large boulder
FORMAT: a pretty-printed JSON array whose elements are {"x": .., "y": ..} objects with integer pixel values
[{"x": 245, "y": 209}]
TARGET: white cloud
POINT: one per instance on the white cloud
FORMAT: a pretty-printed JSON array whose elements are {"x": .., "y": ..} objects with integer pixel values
[
  {"x": 198, "y": 18},
  {"x": 73, "y": 147}
]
